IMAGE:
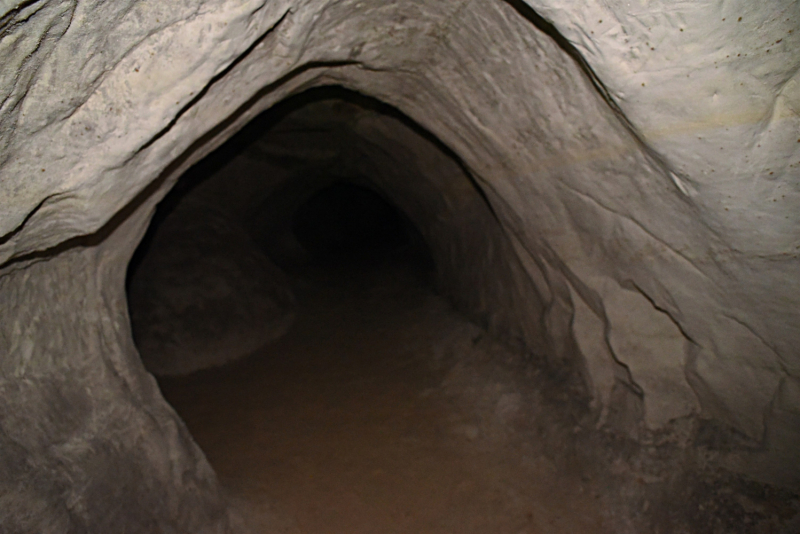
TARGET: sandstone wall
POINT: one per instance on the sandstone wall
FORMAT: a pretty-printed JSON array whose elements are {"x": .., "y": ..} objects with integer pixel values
[{"x": 654, "y": 203}]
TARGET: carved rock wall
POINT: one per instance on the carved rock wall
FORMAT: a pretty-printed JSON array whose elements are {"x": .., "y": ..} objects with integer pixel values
[{"x": 642, "y": 162}]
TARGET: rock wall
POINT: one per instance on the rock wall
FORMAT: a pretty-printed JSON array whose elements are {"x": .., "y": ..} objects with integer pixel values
[
  {"x": 203, "y": 294},
  {"x": 87, "y": 443},
  {"x": 642, "y": 160}
]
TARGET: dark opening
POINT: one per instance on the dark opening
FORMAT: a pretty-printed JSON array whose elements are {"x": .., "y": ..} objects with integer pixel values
[
  {"x": 348, "y": 218},
  {"x": 282, "y": 297}
]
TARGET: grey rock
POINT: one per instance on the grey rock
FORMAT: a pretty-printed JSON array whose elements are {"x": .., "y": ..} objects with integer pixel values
[{"x": 647, "y": 193}]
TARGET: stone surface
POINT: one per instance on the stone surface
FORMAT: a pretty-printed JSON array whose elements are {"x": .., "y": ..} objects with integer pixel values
[
  {"x": 203, "y": 295},
  {"x": 87, "y": 443},
  {"x": 668, "y": 162}
]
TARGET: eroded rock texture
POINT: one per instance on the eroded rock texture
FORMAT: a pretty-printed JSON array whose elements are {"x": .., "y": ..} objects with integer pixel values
[
  {"x": 203, "y": 295},
  {"x": 641, "y": 160},
  {"x": 87, "y": 443}
]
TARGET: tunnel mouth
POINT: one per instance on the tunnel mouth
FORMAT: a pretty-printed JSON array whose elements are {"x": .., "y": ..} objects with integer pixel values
[
  {"x": 319, "y": 182},
  {"x": 322, "y": 290}
]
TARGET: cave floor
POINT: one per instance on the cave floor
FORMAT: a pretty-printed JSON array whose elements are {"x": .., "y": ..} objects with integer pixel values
[{"x": 384, "y": 411}]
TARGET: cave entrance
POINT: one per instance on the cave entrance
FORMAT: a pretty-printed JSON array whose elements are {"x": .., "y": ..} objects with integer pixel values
[{"x": 295, "y": 298}]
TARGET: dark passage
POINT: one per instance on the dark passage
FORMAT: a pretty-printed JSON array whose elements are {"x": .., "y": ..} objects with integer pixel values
[
  {"x": 347, "y": 218},
  {"x": 284, "y": 298}
]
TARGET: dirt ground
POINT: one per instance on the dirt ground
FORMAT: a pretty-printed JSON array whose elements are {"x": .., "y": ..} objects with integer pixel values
[{"x": 384, "y": 411}]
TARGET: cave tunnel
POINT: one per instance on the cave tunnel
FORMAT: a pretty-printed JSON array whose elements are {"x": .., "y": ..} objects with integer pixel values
[
  {"x": 412, "y": 267},
  {"x": 316, "y": 283}
]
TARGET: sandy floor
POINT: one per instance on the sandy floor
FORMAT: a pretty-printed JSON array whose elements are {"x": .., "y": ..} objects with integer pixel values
[{"x": 383, "y": 411}]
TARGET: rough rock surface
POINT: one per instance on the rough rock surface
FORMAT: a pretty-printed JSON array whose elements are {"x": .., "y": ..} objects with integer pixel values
[
  {"x": 87, "y": 443},
  {"x": 203, "y": 294},
  {"x": 646, "y": 152}
]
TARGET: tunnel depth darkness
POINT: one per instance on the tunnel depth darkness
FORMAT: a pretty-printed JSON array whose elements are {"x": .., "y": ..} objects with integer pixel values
[
  {"x": 349, "y": 218},
  {"x": 326, "y": 173}
]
